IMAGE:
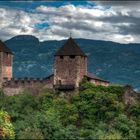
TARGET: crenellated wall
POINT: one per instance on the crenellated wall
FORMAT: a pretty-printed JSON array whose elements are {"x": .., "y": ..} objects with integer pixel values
[{"x": 16, "y": 86}]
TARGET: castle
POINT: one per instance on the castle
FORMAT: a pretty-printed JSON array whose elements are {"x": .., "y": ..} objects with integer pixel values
[{"x": 70, "y": 67}]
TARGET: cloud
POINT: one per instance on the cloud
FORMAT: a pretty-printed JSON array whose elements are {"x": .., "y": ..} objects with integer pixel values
[
  {"x": 103, "y": 21},
  {"x": 121, "y": 25}
]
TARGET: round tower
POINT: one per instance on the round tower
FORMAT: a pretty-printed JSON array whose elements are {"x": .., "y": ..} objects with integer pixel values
[
  {"x": 6, "y": 58},
  {"x": 70, "y": 65}
]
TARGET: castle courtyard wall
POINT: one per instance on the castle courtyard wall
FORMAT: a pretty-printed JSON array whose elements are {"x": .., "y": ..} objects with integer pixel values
[{"x": 17, "y": 86}]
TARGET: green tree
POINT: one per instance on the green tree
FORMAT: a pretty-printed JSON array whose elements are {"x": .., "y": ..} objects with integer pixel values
[
  {"x": 93, "y": 112},
  {"x": 6, "y": 127},
  {"x": 30, "y": 133}
]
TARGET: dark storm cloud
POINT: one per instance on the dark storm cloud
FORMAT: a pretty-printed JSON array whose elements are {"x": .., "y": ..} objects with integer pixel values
[
  {"x": 132, "y": 29},
  {"x": 78, "y": 25},
  {"x": 120, "y": 19},
  {"x": 132, "y": 23}
]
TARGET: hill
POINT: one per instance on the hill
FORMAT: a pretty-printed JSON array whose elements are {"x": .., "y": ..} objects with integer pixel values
[
  {"x": 93, "y": 112},
  {"x": 118, "y": 63}
]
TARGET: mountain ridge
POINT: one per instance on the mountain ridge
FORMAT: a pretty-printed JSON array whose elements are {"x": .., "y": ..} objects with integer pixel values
[{"x": 112, "y": 61}]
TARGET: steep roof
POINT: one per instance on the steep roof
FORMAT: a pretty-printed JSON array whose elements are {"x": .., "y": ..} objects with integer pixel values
[
  {"x": 70, "y": 48},
  {"x": 93, "y": 76},
  {"x": 4, "y": 48}
]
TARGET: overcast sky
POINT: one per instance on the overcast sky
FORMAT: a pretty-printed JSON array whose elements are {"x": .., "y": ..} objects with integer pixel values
[{"x": 113, "y": 21}]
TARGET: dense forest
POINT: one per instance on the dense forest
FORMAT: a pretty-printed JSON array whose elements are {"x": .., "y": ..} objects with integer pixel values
[{"x": 92, "y": 112}]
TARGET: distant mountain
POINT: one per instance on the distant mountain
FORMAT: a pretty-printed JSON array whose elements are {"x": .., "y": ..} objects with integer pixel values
[{"x": 119, "y": 63}]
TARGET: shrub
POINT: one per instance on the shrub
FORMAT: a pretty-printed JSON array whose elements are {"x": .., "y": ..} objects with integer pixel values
[{"x": 6, "y": 127}]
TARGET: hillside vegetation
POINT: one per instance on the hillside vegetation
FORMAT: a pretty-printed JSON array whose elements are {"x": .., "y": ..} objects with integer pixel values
[{"x": 93, "y": 112}]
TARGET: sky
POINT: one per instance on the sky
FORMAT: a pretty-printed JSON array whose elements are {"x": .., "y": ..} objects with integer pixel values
[{"x": 117, "y": 21}]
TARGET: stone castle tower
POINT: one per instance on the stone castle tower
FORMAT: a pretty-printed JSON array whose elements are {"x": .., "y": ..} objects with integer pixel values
[
  {"x": 6, "y": 58},
  {"x": 70, "y": 65}
]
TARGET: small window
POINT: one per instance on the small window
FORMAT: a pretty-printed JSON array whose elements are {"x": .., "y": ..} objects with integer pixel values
[
  {"x": 61, "y": 57},
  {"x": 59, "y": 82},
  {"x": 72, "y": 56}
]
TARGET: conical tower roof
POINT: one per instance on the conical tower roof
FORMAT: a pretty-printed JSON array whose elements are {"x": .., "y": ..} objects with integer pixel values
[
  {"x": 70, "y": 48},
  {"x": 4, "y": 48}
]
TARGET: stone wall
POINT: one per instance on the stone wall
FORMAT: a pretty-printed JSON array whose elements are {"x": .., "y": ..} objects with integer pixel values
[
  {"x": 81, "y": 69},
  {"x": 98, "y": 82},
  {"x": 130, "y": 96},
  {"x": 1, "y": 69},
  {"x": 16, "y": 86},
  {"x": 69, "y": 71},
  {"x": 5, "y": 66},
  {"x": 12, "y": 91}
]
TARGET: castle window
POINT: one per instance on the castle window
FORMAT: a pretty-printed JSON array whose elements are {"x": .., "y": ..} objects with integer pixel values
[
  {"x": 22, "y": 81},
  {"x": 72, "y": 56},
  {"x": 61, "y": 57},
  {"x": 59, "y": 82}
]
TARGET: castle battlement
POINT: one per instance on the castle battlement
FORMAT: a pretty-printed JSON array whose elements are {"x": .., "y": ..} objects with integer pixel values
[
  {"x": 70, "y": 67},
  {"x": 27, "y": 81}
]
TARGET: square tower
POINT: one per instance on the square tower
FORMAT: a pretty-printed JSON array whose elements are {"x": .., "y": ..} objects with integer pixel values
[
  {"x": 70, "y": 65},
  {"x": 6, "y": 58}
]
